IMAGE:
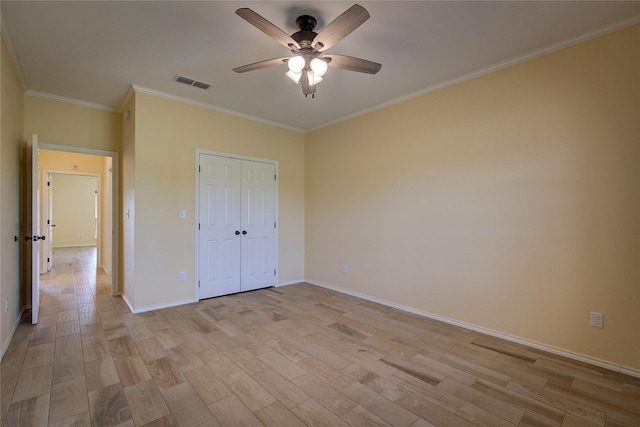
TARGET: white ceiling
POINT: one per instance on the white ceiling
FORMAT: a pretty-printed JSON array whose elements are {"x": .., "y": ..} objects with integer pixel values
[{"x": 93, "y": 51}]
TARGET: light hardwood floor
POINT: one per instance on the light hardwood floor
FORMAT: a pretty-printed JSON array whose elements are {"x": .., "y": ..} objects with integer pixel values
[{"x": 290, "y": 356}]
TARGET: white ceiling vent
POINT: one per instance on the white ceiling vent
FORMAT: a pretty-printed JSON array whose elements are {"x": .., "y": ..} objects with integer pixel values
[{"x": 192, "y": 82}]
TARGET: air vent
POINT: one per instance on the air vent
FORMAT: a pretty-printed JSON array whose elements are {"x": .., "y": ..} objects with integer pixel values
[
  {"x": 201, "y": 85},
  {"x": 191, "y": 82}
]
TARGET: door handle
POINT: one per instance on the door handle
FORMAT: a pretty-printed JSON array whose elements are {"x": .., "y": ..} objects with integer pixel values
[
  {"x": 27, "y": 238},
  {"x": 244, "y": 231},
  {"x": 39, "y": 237},
  {"x": 237, "y": 232}
]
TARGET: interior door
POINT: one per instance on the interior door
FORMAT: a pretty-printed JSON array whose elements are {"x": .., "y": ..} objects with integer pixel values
[
  {"x": 33, "y": 228},
  {"x": 50, "y": 226},
  {"x": 258, "y": 245},
  {"x": 219, "y": 239},
  {"x": 47, "y": 224}
]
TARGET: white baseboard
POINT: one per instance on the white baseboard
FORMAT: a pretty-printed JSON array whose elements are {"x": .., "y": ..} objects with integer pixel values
[
  {"x": 5, "y": 345},
  {"x": 82, "y": 245},
  {"x": 293, "y": 282},
  {"x": 544, "y": 347},
  {"x": 155, "y": 307}
]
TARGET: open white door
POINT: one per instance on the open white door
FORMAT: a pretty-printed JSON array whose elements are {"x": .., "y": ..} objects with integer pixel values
[{"x": 33, "y": 234}]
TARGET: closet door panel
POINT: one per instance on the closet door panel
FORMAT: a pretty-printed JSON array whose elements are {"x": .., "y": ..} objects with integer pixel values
[
  {"x": 258, "y": 245},
  {"x": 219, "y": 245}
]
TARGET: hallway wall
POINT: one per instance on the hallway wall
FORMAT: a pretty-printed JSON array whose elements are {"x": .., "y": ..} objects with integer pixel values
[{"x": 11, "y": 146}]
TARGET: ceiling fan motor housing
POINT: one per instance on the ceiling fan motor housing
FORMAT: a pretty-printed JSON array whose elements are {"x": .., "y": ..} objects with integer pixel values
[
  {"x": 305, "y": 36},
  {"x": 306, "y": 22}
]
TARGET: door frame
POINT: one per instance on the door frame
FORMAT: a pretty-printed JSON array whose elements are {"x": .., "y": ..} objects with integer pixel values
[
  {"x": 113, "y": 217},
  {"x": 196, "y": 231}
]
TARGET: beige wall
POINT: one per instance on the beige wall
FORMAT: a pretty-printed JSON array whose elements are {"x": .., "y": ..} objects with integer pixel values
[
  {"x": 72, "y": 125},
  {"x": 10, "y": 152},
  {"x": 128, "y": 202},
  {"x": 74, "y": 210},
  {"x": 510, "y": 202},
  {"x": 167, "y": 134}
]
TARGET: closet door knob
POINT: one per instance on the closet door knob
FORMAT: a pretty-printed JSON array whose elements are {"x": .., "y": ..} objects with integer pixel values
[
  {"x": 237, "y": 232},
  {"x": 244, "y": 231}
]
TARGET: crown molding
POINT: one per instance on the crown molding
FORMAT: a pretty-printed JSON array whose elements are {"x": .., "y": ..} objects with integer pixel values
[
  {"x": 180, "y": 99},
  {"x": 126, "y": 99},
  {"x": 64, "y": 99},
  {"x": 618, "y": 25}
]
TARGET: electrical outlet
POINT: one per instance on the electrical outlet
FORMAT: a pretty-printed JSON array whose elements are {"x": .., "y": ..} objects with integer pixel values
[
  {"x": 597, "y": 320},
  {"x": 182, "y": 276},
  {"x": 345, "y": 269}
]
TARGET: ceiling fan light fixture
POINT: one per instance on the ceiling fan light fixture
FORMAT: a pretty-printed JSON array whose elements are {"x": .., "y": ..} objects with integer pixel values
[
  {"x": 294, "y": 76},
  {"x": 318, "y": 66},
  {"x": 314, "y": 79},
  {"x": 296, "y": 64}
]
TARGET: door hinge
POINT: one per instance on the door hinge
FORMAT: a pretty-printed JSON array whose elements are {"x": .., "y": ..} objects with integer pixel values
[
  {"x": 48, "y": 184},
  {"x": 274, "y": 272},
  {"x": 199, "y": 170},
  {"x": 48, "y": 222},
  {"x": 274, "y": 225},
  {"x": 198, "y": 283},
  {"x": 198, "y": 226},
  {"x": 48, "y": 259},
  {"x": 275, "y": 177}
]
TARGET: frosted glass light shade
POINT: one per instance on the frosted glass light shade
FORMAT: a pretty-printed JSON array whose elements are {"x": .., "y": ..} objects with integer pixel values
[
  {"x": 318, "y": 66},
  {"x": 313, "y": 78},
  {"x": 296, "y": 64},
  {"x": 294, "y": 76}
]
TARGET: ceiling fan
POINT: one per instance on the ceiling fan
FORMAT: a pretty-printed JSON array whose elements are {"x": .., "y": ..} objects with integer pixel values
[{"x": 309, "y": 61}]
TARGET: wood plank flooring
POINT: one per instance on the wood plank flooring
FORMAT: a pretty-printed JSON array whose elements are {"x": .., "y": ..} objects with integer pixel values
[{"x": 297, "y": 355}]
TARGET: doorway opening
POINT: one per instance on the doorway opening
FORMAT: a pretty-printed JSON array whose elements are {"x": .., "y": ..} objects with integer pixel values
[
  {"x": 72, "y": 214},
  {"x": 78, "y": 197}
]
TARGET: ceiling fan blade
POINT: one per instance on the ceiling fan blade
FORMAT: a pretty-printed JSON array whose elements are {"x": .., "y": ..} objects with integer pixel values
[
  {"x": 353, "y": 64},
  {"x": 261, "y": 64},
  {"x": 341, "y": 27},
  {"x": 267, "y": 27}
]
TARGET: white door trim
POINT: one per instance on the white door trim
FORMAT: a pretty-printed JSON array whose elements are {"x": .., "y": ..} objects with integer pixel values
[{"x": 196, "y": 191}]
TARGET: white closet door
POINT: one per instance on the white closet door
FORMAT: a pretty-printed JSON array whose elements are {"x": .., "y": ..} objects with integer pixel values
[
  {"x": 258, "y": 246},
  {"x": 219, "y": 240}
]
